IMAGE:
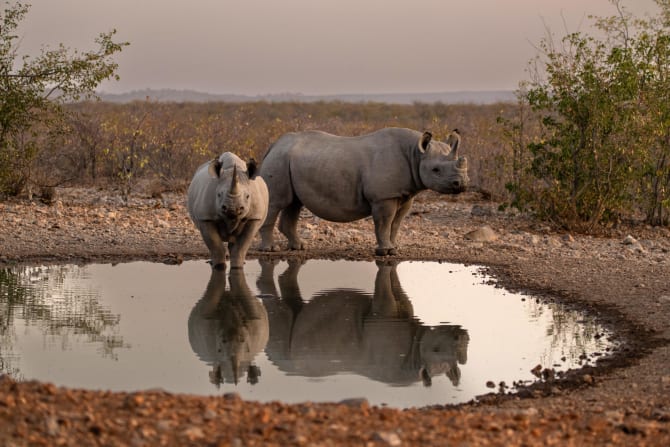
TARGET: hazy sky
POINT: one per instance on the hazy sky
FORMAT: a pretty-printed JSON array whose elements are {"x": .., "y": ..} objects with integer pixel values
[{"x": 314, "y": 46}]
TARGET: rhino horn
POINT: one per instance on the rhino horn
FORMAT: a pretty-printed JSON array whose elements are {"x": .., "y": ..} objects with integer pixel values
[
  {"x": 425, "y": 140},
  {"x": 462, "y": 163},
  {"x": 234, "y": 190},
  {"x": 214, "y": 168}
]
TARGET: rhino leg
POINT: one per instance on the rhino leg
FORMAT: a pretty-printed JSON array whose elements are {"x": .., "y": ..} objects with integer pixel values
[
  {"x": 267, "y": 229},
  {"x": 238, "y": 250},
  {"x": 266, "y": 279},
  {"x": 288, "y": 284},
  {"x": 399, "y": 216},
  {"x": 210, "y": 234},
  {"x": 281, "y": 197},
  {"x": 383, "y": 213},
  {"x": 288, "y": 225}
]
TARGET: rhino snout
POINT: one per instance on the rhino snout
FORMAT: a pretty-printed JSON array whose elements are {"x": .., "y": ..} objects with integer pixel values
[{"x": 233, "y": 212}]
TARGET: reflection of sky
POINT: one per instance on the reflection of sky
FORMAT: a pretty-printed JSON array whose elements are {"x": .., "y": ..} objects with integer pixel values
[{"x": 154, "y": 302}]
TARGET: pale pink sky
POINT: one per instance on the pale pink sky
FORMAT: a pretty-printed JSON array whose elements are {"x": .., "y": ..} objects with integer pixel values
[{"x": 314, "y": 46}]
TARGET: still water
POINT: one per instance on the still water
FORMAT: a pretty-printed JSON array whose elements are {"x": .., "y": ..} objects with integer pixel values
[{"x": 411, "y": 334}]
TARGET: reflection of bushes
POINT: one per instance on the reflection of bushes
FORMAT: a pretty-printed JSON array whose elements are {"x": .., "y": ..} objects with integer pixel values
[
  {"x": 567, "y": 329},
  {"x": 43, "y": 297},
  {"x": 161, "y": 144}
]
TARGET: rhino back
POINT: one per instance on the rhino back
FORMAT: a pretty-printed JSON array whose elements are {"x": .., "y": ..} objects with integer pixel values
[{"x": 338, "y": 177}]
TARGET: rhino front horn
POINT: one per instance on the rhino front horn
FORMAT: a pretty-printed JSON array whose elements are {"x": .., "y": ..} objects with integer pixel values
[{"x": 234, "y": 190}]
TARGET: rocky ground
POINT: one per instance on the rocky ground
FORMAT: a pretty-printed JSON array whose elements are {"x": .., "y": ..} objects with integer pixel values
[{"x": 624, "y": 278}]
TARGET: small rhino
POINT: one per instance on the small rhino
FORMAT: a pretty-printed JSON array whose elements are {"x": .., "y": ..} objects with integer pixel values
[
  {"x": 343, "y": 179},
  {"x": 227, "y": 202}
]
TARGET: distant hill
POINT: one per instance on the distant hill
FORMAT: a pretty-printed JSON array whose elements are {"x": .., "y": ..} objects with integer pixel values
[{"x": 169, "y": 95}]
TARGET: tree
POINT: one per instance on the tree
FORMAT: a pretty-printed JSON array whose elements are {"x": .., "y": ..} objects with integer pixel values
[
  {"x": 603, "y": 105},
  {"x": 33, "y": 90}
]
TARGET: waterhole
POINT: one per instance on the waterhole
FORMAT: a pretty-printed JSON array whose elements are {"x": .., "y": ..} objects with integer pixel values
[{"x": 404, "y": 335}]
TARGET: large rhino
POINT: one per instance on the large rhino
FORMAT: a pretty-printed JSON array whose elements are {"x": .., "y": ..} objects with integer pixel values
[
  {"x": 343, "y": 179},
  {"x": 348, "y": 330},
  {"x": 227, "y": 328},
  {"x": 227, "y": 203}
]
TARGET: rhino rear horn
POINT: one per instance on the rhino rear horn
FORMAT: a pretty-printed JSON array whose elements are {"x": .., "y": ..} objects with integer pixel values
[
  {"x": 462, "y": 163},
  {"x": 234, "y": 190},
  {"x": 425, "y": 140},
  {"x": 214, "y": 168}
]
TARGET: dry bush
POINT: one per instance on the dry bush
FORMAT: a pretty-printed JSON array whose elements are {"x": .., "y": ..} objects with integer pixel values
[{"x": 161, "y": 144}]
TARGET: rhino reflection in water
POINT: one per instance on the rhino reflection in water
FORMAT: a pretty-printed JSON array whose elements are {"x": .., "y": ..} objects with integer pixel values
[
  {"x": 347, "y": 330},
  {"x": 228, "y": 327}
]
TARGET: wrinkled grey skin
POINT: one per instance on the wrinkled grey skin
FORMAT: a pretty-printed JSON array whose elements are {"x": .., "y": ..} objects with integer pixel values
[
  {"x": 228, "y": 328},
  {"x": 227, "y": 204},
  {"x": 343, "y": 179},
  {"x": 347, "y": 330}
]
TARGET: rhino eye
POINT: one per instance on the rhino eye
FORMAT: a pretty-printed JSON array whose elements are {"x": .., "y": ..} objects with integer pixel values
[{"x": 436, "y": 170}]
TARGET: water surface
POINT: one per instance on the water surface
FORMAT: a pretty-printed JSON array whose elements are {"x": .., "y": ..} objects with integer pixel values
[{"x": 411, "y": 334}]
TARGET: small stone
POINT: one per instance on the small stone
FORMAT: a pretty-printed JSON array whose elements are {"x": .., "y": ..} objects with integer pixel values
[
  {"x": 587, "y": 378},
  {"x": 537, "y": 371},
  {"x": 568, "y": 238},
  {"x": 358, "y": 402},
  {"x": 615, "y": 417},
  {"x": 164, "y": 425},
  {"x": 629, "y": 240},
  {"x": 231, "y": 397},
  {"x": 479, "y": 210},
  {"x": 490, "y": 384},
  {"x": 388, "y": 438},
  {"x": 530, "y": 412},
  {"x": 193, "y": 433},
  {"x": 482, "y": 234},
  {"x": 52, "y": 426}
]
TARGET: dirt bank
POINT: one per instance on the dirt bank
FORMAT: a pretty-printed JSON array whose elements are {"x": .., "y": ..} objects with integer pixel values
[{"x": 625, "y": 400}]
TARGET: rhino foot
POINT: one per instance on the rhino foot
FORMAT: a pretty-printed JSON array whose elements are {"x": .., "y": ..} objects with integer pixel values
[
  {"x": 386, "y": 251},
  {"x": 296, "y": 246},
  {"x": 269, "y": 248}
]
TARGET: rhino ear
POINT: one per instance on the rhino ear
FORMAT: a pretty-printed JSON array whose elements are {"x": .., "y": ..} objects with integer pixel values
[
  {"x": 214, "y": 168},
  {"x": 252, "y": 167},
  {"x": 425, "y": 140},
  {"x": 454, "y": 140}
]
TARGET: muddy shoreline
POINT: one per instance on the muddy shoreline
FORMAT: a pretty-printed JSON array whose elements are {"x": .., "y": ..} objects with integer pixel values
[{"x": 624, "y": 399}]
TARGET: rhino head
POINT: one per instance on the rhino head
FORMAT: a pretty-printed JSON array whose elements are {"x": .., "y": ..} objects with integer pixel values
[
  {"x": 442, "y": 348},
  {"x": 233, "y": 198},
  {"x": 440, "y": 167}
]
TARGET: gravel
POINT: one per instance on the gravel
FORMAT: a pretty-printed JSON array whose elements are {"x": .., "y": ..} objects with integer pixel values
[{"x": 623, "y": 277}]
